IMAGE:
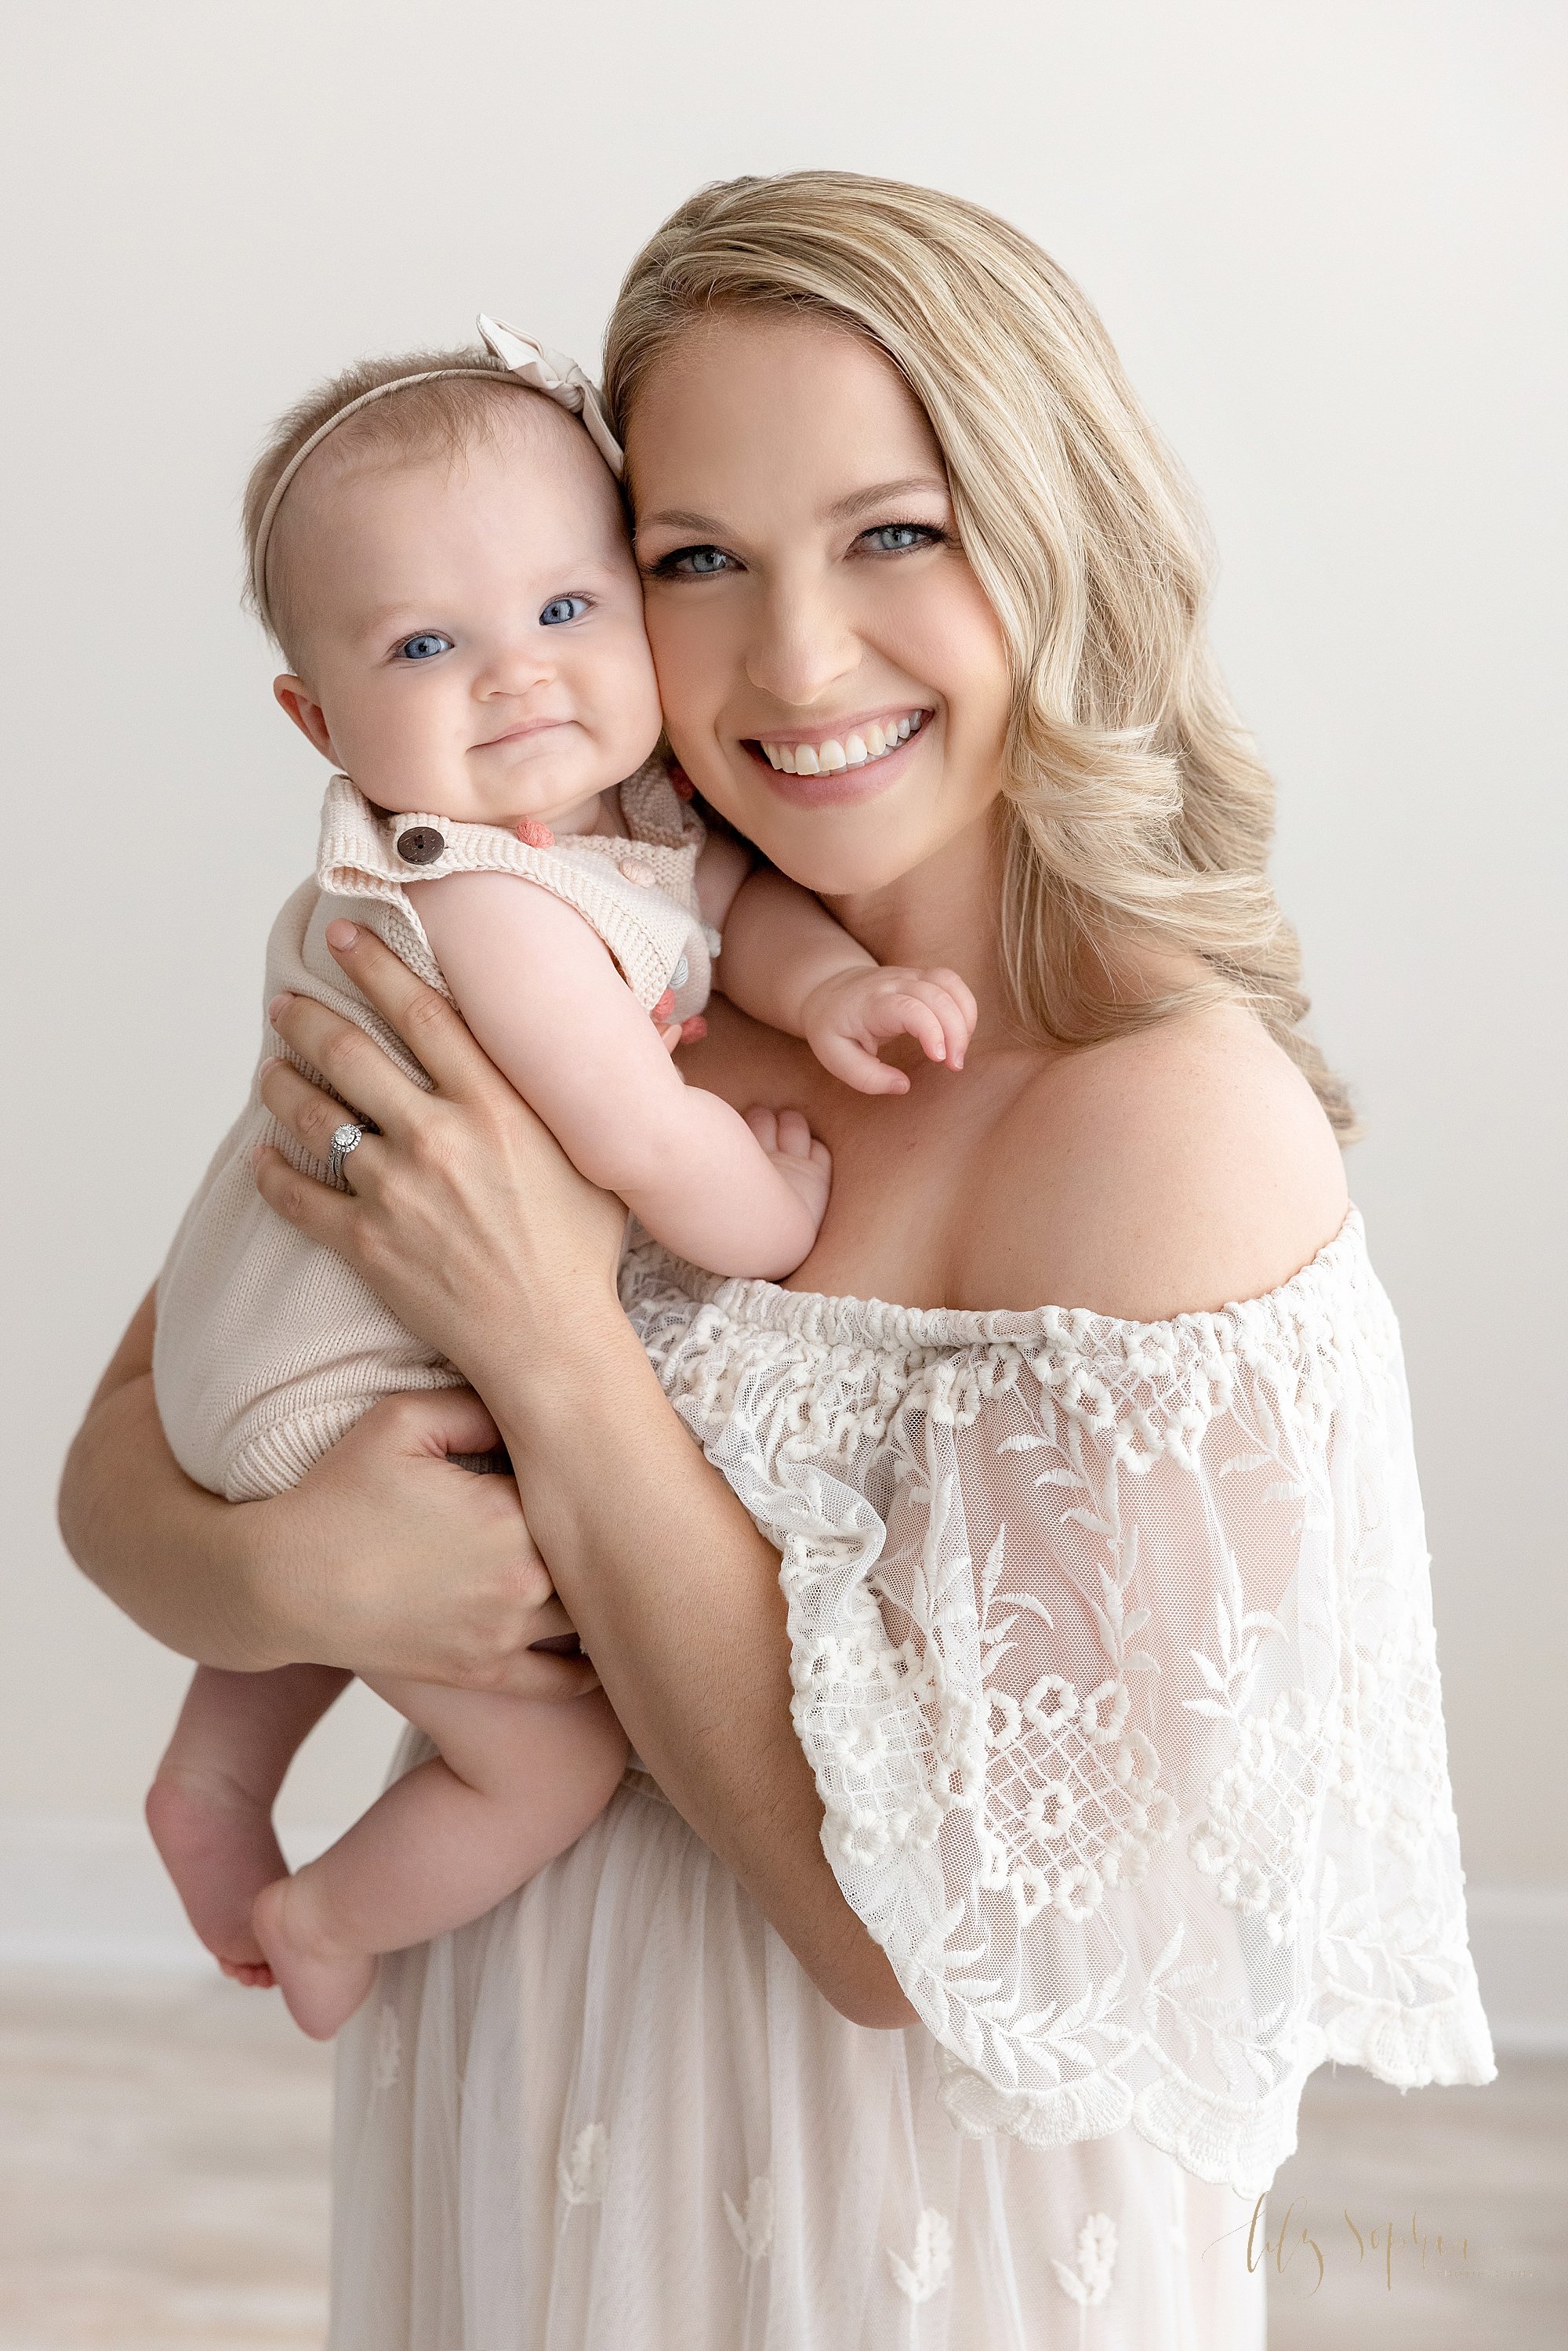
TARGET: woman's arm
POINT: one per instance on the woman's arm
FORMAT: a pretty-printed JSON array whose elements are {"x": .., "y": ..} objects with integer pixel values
[
  {"x": 478, "y": 1232},
  {"x": 385, "y": 1558},
  {"x": 175, "y": 1557}
]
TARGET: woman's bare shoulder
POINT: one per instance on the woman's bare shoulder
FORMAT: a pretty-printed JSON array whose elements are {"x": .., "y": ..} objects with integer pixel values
[{"x": 1167, "y": 1172}]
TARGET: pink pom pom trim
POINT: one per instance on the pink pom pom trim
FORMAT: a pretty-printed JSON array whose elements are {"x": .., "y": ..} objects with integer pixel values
[{"x": 534, "y": 834}]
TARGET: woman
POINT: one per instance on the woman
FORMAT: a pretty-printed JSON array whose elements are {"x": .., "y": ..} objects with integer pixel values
[{"x": 1041, "y": 1766}]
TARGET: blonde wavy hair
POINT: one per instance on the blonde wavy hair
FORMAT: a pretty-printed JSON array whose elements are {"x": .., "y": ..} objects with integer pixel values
[{"x": 1136, "y": 806}]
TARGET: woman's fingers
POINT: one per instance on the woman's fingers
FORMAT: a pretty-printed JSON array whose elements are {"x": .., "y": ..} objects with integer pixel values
[
  {"x": 357, "y": 1068},
  {"x": 430, "y": 1026},
  {"x": 312, "y": 1208},
  {"x": 311, "y": 1116}
]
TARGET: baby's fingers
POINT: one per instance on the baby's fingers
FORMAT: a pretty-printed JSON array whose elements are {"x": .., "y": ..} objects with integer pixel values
[
  {"x": 958, "y": 1009},
  {"x": 855, "y": 1064},
  {"x": 920, "y": 1010}
]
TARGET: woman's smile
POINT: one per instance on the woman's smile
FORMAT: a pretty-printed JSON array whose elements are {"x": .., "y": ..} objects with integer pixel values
[
  {"x": 838, "y": 760},
  {"x": 834, "y": 681}
]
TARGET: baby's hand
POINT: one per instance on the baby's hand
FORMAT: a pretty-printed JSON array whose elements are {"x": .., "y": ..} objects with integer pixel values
[{"x": 848, "y": 1018}]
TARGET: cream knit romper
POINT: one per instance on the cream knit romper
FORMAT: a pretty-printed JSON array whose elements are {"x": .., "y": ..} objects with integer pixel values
[{"x": 269, "y": 1347}]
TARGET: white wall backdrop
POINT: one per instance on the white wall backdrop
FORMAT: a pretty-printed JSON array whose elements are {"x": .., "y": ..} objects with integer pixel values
[{"x": 1324, "y": 234}]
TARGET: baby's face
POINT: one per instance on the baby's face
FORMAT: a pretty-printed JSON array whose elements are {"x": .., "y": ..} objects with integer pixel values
[{"x": 472, "y": 629}]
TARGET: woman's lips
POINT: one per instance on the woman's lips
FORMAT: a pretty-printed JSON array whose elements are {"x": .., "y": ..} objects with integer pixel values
[{"x": 858, "y": 774}]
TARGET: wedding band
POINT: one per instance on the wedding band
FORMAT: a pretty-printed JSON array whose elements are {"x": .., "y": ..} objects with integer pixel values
[{"x": 345, "y": 1138}]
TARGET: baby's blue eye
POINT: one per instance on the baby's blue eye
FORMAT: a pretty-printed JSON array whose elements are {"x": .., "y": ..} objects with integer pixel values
[
  {"x": 424, "y": 648},
  {"x": 562, "y": 608}
]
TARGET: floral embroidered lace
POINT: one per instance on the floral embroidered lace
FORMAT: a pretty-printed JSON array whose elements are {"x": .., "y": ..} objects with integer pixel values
[{"x": 1114, "y": 1657}]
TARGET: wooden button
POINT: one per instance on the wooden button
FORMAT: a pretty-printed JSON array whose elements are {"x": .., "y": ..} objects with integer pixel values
[
  {"x": 421, "y": 844},
  {"x": 634, "y": 869}
]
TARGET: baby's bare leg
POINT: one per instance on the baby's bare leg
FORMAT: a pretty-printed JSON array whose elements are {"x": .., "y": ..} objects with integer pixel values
[
  {"x": 210, "y": 1807},
  {"x": 516, "y": 1780}
]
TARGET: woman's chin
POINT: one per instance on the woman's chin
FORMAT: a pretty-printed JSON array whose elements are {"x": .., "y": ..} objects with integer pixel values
[{"x": 843, "y": 870}]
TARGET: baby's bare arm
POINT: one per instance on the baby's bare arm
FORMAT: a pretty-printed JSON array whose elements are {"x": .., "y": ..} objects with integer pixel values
[
  {"x": 540, "y": 992},
  {"x": 788, "y": 962},
  {"x": 780, "y": 942},
  {"x": 723, "y": 864}
]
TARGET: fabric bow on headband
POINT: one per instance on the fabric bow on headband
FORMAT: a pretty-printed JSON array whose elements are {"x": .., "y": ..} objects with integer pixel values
[
  {"x": 534, "y": 364},
  {"x": 543, "y": 369}
]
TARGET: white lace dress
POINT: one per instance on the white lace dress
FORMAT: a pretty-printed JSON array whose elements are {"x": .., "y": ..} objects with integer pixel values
[{"x": 1114, "y": 1656}]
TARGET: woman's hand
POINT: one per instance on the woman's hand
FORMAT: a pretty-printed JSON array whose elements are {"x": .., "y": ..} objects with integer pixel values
[
  {"x": 386, "y": 1555},
  {"x": 390, "y": 1559},
  {"x": 466, "y": 1217}
]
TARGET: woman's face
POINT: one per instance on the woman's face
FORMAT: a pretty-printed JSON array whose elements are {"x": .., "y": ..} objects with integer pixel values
[{"x": 833, "y": 679}]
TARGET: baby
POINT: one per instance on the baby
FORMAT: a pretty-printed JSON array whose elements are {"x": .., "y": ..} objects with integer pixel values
[{"x": 439, "y": 546}]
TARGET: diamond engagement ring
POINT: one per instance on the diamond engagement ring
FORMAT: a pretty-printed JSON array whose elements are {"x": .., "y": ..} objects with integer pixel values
[{"x": 345, "y": 1138}]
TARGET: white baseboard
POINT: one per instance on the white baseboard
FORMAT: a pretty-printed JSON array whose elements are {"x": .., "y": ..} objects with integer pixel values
[{"x": 88, "y": 1893}]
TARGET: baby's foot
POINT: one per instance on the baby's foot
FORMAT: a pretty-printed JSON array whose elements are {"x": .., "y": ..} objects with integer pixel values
[
  {"x": 321, "y": 1982},
  {"x": 216, "y": 1844},
  {"x": 806, "y": 1165}
]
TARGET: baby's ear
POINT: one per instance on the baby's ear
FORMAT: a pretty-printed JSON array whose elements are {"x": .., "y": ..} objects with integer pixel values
[{"x": 293, "y": 695}]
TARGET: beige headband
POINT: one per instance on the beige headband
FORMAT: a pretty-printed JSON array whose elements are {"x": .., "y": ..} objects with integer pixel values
[{"x": 533, "y": 364}]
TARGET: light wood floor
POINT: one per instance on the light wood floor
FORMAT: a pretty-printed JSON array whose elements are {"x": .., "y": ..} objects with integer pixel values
[{"x": 163, "y": 2186}]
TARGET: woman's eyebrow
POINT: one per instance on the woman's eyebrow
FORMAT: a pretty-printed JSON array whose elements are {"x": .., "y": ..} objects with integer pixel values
[
  {"x": 857, "y": 502},
  {"x": 880, "y": 492},
  {"x": 678, "y": 519}
]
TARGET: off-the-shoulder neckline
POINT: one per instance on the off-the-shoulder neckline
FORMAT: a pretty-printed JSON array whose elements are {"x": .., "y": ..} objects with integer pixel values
[{"x": 839, "y": 1318}]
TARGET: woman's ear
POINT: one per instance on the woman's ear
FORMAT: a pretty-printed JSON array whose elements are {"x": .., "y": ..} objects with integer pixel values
[{"x": 293, "y": 695}]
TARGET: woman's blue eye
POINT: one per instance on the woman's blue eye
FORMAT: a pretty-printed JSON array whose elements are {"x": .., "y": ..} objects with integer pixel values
[
  {"x": 691, "y": 563},
  {"x": 562, "y": 608},
  {"x": 896, "y": 538},
  {"x": 425, "y": 648}
]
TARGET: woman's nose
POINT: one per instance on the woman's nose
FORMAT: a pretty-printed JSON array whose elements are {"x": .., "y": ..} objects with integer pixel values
[{"x": 801, "y": 645}]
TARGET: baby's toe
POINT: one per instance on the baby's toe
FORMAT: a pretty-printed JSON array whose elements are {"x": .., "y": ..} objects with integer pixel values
[{"x": 795, "y": 1137}]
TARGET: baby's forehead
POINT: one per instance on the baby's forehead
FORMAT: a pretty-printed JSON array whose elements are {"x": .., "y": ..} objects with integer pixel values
[
  {"x": 507, "y": 446},
  {"x": 502, "y": 433}
]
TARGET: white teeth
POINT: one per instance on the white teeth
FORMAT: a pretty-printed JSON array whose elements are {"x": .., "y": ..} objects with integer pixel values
[{"x": 871, "y": 742}]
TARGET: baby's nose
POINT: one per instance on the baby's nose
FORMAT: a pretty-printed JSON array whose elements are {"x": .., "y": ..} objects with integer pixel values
[{"x": 513, "y": 669}]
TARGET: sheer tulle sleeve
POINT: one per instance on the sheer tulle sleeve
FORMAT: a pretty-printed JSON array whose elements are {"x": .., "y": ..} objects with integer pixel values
[{"x": 1113, "y": 1658}]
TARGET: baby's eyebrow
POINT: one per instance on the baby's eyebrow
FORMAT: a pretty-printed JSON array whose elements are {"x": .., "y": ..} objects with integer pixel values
[{"x": 390, "y": 620}]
